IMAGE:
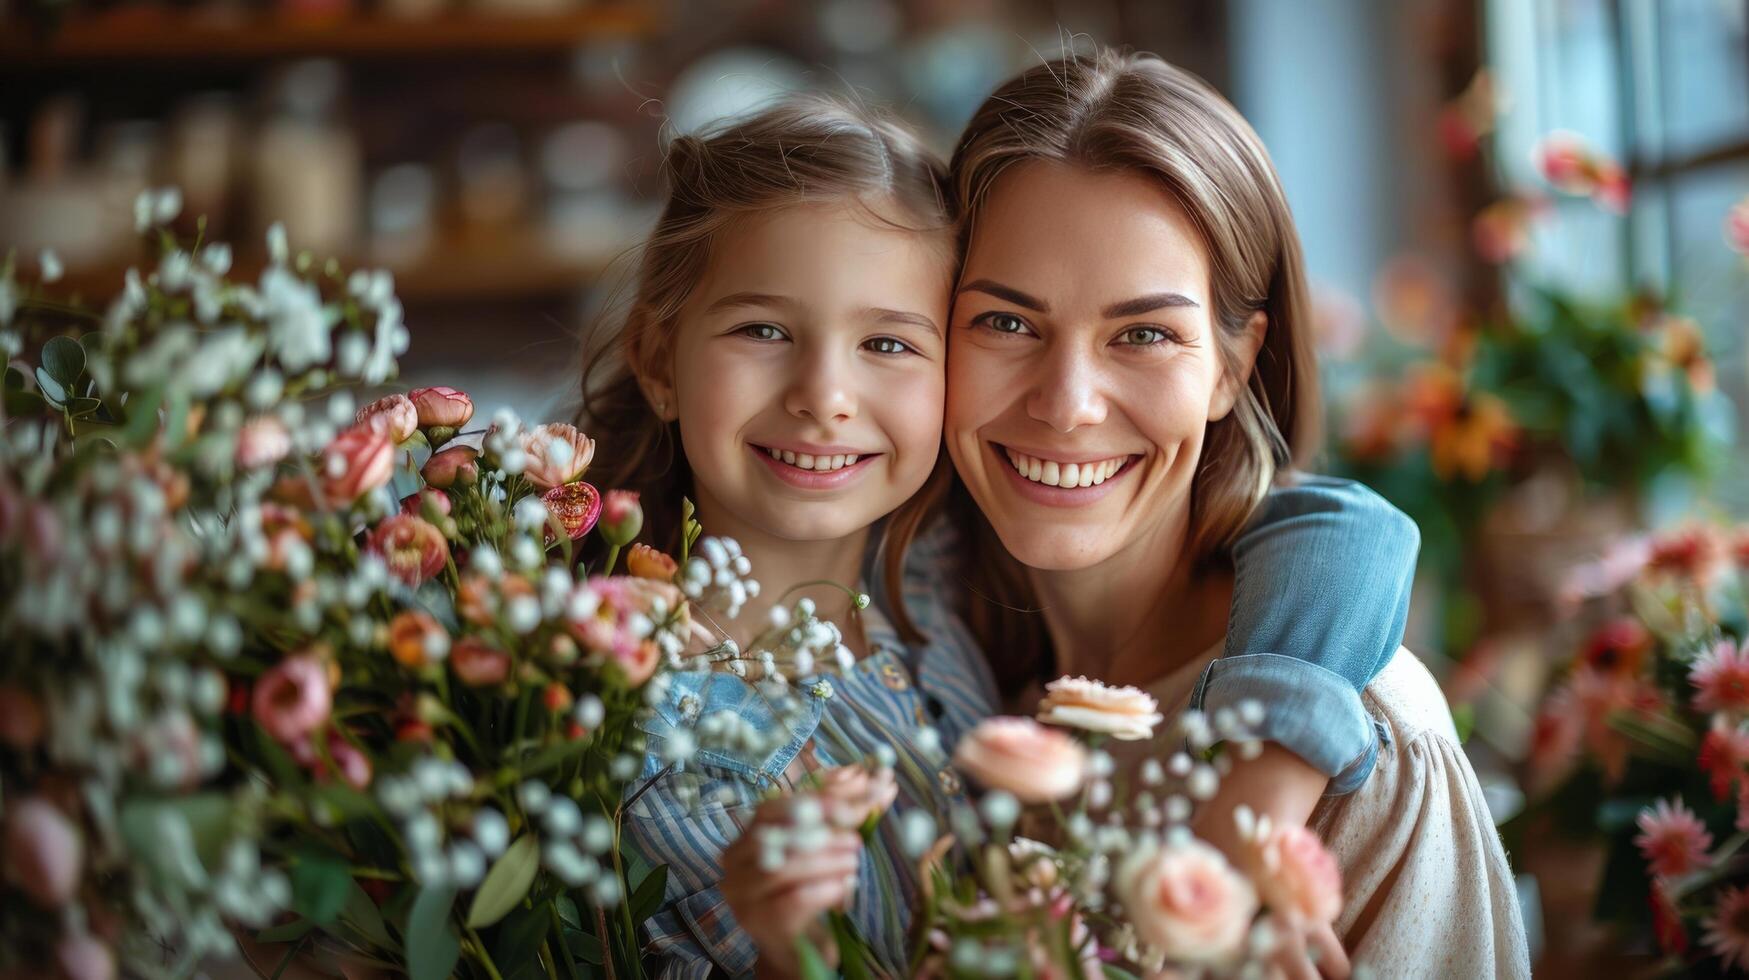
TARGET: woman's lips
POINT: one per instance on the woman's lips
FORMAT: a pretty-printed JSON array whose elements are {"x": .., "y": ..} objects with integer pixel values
[
  {"x": 1088, "y": 489},
  {"x": 839, "y": 469}
]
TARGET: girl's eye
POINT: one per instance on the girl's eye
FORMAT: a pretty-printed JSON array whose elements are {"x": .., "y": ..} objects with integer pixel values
[
  {"x": 1144, "y": 336},
  {"x": 762, "y": 331},
  {"x": 888, "y": 345},
  {"x": 1006, "y": 323}
]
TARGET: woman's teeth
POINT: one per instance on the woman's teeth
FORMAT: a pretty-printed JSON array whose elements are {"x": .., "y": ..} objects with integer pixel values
[
  {"x": 1054, "y": 474},
  {"x": 823, "y": 464}
]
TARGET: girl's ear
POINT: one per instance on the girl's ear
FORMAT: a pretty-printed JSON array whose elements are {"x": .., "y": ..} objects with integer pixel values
[
  {"x": 1233, "y": 381},
  {"x": 653, "y": 363}
]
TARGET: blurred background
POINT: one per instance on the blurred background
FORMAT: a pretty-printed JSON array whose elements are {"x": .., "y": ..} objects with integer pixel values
[{"x": 1526, "y": 222}]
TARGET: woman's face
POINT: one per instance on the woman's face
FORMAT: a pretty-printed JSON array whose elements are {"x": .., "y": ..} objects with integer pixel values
[{"x": 1084, "y": 368}]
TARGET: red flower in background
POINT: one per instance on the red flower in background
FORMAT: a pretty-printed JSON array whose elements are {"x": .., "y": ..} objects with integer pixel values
[
  {"x": 1571, "y": 166},
  {"x": 1721, "y": 679},
  {"x": 1667, "y": 921},
  {"x": 1724, "y": 756},
  {"x": 1672, "y": 839},
  {"x": 1696, "y": 554},
  {"x": 1466, "y": 119},
  {"x": 1618, "y": 648}
]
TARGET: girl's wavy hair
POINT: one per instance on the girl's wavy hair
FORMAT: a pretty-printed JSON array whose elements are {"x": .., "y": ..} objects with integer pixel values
[
  {"x": 802, "y": 150},
  {"x": 1114, "y": 111}
]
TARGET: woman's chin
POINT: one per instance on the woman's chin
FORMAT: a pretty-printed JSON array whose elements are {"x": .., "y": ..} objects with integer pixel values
[{"x": 1055, "y": 549}]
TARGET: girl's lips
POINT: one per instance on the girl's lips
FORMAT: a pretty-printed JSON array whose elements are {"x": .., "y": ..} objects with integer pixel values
[
  {"x": 1049, "y": 496},
  {"x": 802, "y": 479}
]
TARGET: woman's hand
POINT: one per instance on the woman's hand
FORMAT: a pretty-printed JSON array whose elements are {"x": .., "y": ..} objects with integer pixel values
[
  {"x": 776, "y": 906},
  {"x": 1299, "y": 945}
]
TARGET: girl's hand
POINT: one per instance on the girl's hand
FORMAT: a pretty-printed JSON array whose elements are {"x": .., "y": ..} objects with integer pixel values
[
  {"x": 1297, "y": 942},
  {"x": 777, "y": 906}
]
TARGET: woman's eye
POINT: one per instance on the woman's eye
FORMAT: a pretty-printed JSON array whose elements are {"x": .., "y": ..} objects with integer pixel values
[
  {"x": 1004, "y": 323},
  {"x": 762, "y": 331},
  {"x": 1144, "y": 336},
  {"x": 888, "y": 345}
]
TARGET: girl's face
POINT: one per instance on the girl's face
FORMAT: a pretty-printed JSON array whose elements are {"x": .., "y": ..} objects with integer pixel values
[
  {"x": 1085, "y": 369},
  {"x": 809, "y": 371}
]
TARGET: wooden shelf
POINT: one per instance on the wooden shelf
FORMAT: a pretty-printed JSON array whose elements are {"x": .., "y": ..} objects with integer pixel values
[{"x": 156, "y": 35}]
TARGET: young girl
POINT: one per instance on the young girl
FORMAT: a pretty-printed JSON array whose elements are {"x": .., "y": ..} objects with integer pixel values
[{"x": 783, "y": 363}]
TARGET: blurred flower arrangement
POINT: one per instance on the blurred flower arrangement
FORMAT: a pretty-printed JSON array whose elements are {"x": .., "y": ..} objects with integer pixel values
[
  {"x": 1576, "y": 400},
  {"x": 1643, "y": 742},
  {"x": 1057, "y": 871},
  {"x": 265, "y": 673}
]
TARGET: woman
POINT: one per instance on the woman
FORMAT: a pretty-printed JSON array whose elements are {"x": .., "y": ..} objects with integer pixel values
[{"x": 1133, "y": 297}]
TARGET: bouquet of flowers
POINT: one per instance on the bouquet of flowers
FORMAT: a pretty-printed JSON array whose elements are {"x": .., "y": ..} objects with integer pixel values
[
  {"x": 276, "y": 666},
  {"x": 1643, "y": 741}
]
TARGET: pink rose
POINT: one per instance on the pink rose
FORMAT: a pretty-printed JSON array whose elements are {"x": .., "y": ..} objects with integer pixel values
[
  {"x": 477, "y": 663},
  {"x": 413, "y": 547},
  {"x": 1296, "y": 875},
  {"x": 44, "y": 856},
  {"x": 414, "y": 503},
  {"x": 851, "y": 795},
  {"x": 21, "y": 718},
  {"x": 441, "y": 406},
  {"x": 293, "y": 698},
  {"x": 576, "y": 505},
  {"x": 1187, "y": 901},
  {"x": 263, "y": 441},
  {"x": 392, "y": 415},
  {"x": 557, "y": 454},
  {"x": 449, "y": 467},
  {"x": 358, "y": 461},
  {"x": 353, "y": 765},
  {"x": 621, "y": 517},
  {"x": 1035, "y": 763}
]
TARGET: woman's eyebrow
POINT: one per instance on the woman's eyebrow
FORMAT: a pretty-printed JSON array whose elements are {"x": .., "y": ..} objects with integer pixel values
[
  {"x": 736, "y": 300},
  {"x": 881, "y": 314},
  {"x": 1008, "y": 293},
  {"x": 1147, "y": 304}
]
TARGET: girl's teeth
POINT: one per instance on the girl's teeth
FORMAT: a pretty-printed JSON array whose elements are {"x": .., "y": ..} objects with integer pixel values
[
  {"x": 789, "y": 457},
  {"x": 1056, "y": 474},
  {"x": 819, "y": 464}
]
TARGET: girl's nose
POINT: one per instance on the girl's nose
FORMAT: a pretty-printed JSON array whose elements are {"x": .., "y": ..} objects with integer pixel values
[{"x": 823, "y": 388}]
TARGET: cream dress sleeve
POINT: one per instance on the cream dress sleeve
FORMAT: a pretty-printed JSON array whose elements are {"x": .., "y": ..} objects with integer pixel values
[{"x": 1427, "y": 889}]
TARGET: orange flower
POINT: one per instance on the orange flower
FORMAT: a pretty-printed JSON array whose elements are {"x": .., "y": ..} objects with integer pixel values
[
  {"x": 475, "y": 600},
  {"x": 1682, "y": 347},
  {"x": 1414, "y": 300},
  {"x": 477, "y": 663},
  {"x": 1502, "y": 229},
  {"x": 644, "y": 561},
  {"x": 413, "y": 547},
  {"x": 411, "y": 634},
  {"x": 1618, "y": 648},
  {"x": 1474, "y": 440}
]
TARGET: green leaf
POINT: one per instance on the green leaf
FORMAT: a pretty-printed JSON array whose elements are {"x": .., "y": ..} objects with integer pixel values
[
  {"x": 51, "y": 389},
  {"x": 142, "y": 413},
  {"x": 319, "y": 884},
  {"x": 812, "y": 963},
  {"x": 506, "y": 883},
  {"x": 285, "y": 932},
  {"x": 81, "y": 407},
  {"x": 432, "y": 947},
  {"x": 361, "y": 915},
  {"x": 517, "y": 941},
  {"x": 648, "y": 896},
  {"x": 21, "y": 399},
  {"x": 64, "y": 360},
  {"x": 1114, "y": 973},
  {"x": 586, "y": 945},
  {"x": 568, "y": 912}
]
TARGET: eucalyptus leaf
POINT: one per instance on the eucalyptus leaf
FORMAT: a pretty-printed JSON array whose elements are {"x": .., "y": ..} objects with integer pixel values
[
  {"x": 361, "y": 915},
  {"x": 648, "y": 896},
  {"x": 82, "y": 407},
  {"x": 64, "y": 360},
  {"x": 142, "y": 416},
  {"x": 506, "y": 883},
  {"x": 432, "y": 946},
  {"x": 52, "y": 390},
  {"x": 319, "y": 883}
]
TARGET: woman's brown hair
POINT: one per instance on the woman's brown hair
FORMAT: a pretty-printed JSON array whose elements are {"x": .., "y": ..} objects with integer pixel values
[
  {"x": 805, "y": 149},
  {"x": 1134, "y": 112}
]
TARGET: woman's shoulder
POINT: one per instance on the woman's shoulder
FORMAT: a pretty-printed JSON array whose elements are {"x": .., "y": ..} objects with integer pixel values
[{"x": 1407, "y": 699}]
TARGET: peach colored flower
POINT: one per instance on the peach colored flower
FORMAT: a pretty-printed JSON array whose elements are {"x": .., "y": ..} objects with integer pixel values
[
  {"x": 1295, "y": 874},
  {"x": 1672, "y": 839},
  {"x": 1034, "y": 763},
  {"x": 358, "y": 461},
  {"x": 1721, "y": 679},
  {"x": 644, "y": 561},
  {"x": 1619, "y": 647},
  {"x": 262, "y": 441},
  {"x": 44, "y": 856},
  {"x": 1124, "y": 713},
  {"x": 607, "y": 633},
  {"x": 82, "y": 956},
  {"x": 576, "y": 505},
  {"x": 557, "y": 454},
  {"x": 451, "y": 467},
  {"x": 441, "y": 406},
  {"x": 413, "y": 547},
  {"x": 283, "y": 528},
  {"x": 414, "y": 503},
  {"x": 392, "y": 415},
  {"x": 475, "y": 600},
  {"x": 477, "y": 663},
  {"x": 411, "y": 633},
  {"x": 1727, "y": 929},
  {"x": 1187, "y": 901},
  {"x": 1697, "y": 554},
  {"x": 293, "y": 698},
  {"x": 1501, "y": 230},
  {"x": 853, "y": 795}
]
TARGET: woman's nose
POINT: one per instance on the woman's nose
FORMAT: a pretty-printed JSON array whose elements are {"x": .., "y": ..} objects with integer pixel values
[
  {"x": 823, "y": 388},
  {"x": 1066, "y": 393}
]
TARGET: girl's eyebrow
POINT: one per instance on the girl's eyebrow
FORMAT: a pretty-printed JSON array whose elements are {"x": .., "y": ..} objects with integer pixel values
[
  {"x": 881, "y": 314},
  {"x": 736, "y": 300}
]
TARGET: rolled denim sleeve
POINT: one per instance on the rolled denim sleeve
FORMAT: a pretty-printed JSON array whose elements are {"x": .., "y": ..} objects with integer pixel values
[{"x": 1322, "y": 577}]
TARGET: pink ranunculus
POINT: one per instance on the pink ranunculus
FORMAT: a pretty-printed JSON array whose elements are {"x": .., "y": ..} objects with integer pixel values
[
  {"x": 451, "y": 467},
  {"x": 621, "y": 517},
  {"x": 354, "y": 765},
  {"x": 1187, "y": 901},
  {"x": 440, "y": 405},
  {"x": 412, "y": 547},
  {"x": 414, "y": 503},
  {"x": 82, "y": 956},
  {"x": 44, "y": 856},
  {"x": 853, "y": 794},
  {"x": 293, "y": 698},
  {"x": 1296, "y": 874},
  {"x": 1034, "y": 763},
  {"x": 557, "y": 454},
  {"x": 262, "y": 441},
  {"x": 607, "y": 633},
  {"x": 392, "y": 415},
  {"x": 358, "y": 461},
  {"x": 478, "y": 663},
  {"x": 21, "y": 718}
]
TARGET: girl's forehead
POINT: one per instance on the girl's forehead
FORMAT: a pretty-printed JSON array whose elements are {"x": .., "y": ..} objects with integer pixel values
[{"x": 822, "y": 248}]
